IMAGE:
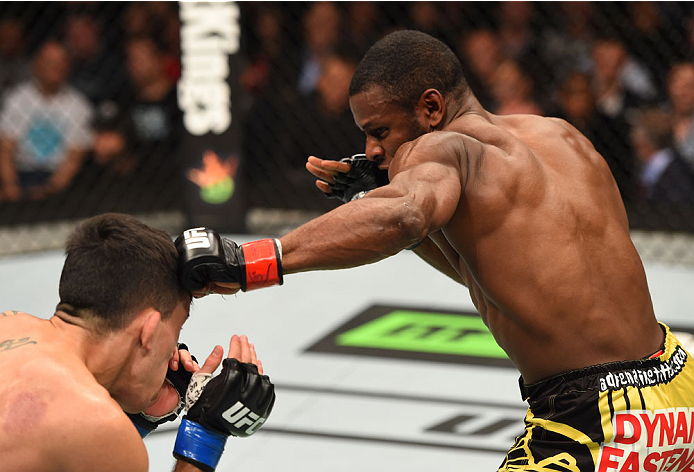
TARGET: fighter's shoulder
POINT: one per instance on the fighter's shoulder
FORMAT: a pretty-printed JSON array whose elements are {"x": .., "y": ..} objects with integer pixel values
[
  {"x": 548, "y": 125},
  {"x": 442, "y": 144}
]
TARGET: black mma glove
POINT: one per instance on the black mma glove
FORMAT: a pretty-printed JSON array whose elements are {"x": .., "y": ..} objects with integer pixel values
[
  {"x": 180, "y": 380},
  {"x": 236, "y": 402},
  {"x": 363, "y": 176},
  {"x": 205, "y": 257}
]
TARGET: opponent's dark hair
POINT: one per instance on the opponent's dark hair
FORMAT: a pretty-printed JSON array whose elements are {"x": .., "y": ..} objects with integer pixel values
[
  {"x": 117, "y": 266},
  {"x": 405, "y": 64}
]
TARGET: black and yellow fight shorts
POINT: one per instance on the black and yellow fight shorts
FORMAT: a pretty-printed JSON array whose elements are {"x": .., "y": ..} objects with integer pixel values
[{"x": 633, "y": 416}]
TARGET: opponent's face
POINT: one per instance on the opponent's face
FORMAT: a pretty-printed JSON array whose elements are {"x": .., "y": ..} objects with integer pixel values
[
  {"x": 148, "y": 370},
  {"x": 386, "y": 125}
]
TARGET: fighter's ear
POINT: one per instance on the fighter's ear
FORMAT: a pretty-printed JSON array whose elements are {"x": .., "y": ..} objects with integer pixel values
[
  {"x": 432, "y": 107},
  {"x": 149, "y": 324}
]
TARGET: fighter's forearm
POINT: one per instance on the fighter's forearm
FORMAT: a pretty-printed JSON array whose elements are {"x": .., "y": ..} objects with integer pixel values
[{"x": 358, "y": 233}]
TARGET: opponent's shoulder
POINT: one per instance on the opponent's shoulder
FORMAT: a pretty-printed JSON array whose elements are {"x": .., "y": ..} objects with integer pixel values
[
  {"x": 95, "y": 434},
  {"x": 7, "y": 313},
  {"x": 65, "y": 424}
]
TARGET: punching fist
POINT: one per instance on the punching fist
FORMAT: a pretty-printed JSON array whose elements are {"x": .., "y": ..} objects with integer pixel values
[
  {"x": 349, "y": 178},
  {"x": 236, "y": 402},
  {"x": 205, "y": 258}
]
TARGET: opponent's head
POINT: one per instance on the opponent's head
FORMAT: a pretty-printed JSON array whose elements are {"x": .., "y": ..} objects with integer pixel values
[
  {"x": 116, "y": 266},
  {"x": 401, "y": 88},
  {"x": 120, "y": 279}
]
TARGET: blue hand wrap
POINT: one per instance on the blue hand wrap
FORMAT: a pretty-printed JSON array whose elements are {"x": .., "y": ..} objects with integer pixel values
[{"x": 199, "y": 445}]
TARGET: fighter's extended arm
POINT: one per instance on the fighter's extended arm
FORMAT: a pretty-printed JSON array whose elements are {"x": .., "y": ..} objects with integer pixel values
[
  {"x": 424, "y": 192},
  {"x": 425, "y": 189}
]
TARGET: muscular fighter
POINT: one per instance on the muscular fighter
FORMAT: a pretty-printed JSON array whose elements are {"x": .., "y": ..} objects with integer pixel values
[
  {"x": 74, "y": 385},
  {"x": 523, "y": 211}
]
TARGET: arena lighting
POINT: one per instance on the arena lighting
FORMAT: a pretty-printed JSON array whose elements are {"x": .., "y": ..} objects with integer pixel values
[{"x": 210, "y": 33}]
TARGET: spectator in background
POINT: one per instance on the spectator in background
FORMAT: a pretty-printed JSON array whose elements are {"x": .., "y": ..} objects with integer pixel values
[
  {"x": 363, "y": 26},
  {"x": 139, "y": 133},
  {"x": 610, "y": 136},
  {"x": 680, "y": 92},
  {"x": 480, "y": 53},
  {"x": 157, "y": 20},
  {"x": 270, "y": 68},
  {"x": 512, "y": 88},
  {"x": 664, "y": 177},
  {"x": 15, "y": 64},
  {"x": 651, "y": 39},
  {"x": 44, "y": 129},
  {"x": 620, "y": 84},
  {"x": 520, "y": 40},
  {"x": 426, "y": 17},
  {"x": 321, "y": 27},
  {"x": 567, "y": 42},
  {"x": 516, "y": 31},
  {"x": 95, "y": 70},
  {"x": 322, "y": 125}
]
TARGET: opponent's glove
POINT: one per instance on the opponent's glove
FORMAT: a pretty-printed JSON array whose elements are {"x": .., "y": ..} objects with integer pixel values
[
  {"x": 205, "y": 257},
  {"x": 236, "y": 402},
  {"x": 180, "y": 380},
  {"x": 363, "y": 176}
]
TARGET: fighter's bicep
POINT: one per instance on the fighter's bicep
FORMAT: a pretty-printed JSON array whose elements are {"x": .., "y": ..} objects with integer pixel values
[{"x": 434, "y": 189}]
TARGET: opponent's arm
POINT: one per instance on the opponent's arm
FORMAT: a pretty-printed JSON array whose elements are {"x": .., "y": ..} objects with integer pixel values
[{"x": 236, "y": 402}]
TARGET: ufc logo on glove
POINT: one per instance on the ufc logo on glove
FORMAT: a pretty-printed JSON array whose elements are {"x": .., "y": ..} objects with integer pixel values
[
  {"x": 207, "y": 258},
  {"x": 239, "y": 415},
  {"x": 196, "y": 238}
]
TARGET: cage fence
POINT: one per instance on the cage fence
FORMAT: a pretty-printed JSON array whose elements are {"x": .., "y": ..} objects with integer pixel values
[{"x": 90, "y": 117}]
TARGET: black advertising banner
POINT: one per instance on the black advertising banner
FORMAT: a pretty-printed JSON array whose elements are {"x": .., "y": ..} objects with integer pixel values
[{"x": 211, "y": 147}]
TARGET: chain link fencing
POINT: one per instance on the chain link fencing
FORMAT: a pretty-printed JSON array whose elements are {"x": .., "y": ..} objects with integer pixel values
[{"x": 89, "y": 119}]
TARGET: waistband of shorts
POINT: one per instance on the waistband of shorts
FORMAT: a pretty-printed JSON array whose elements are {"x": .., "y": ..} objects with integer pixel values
[{"x": 558, "y": 384}]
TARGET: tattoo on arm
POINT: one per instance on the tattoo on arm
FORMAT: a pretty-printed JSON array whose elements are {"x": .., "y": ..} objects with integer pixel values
[
  {"x": 10, "y": 313},
  {"x": 8, "y": 344}
]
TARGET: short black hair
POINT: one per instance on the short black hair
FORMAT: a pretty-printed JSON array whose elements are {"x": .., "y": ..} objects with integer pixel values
[
  {"x": 406, "y": 63},
  {"x": 117, "y": 266}
]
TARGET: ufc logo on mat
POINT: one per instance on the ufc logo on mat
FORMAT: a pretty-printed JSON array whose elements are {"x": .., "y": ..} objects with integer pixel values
[
  {"x": 240, "y": 416},
  {"x": 196, "y": 238}
]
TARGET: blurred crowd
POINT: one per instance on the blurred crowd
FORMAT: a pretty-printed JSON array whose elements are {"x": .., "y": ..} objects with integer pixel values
[
  {"x": 89, "y": 119},
  {"x": 89, "y": 99}
]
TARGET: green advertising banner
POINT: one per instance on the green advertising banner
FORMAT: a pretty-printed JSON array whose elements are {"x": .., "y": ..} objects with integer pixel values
[{"x": 418, "y": 334}]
